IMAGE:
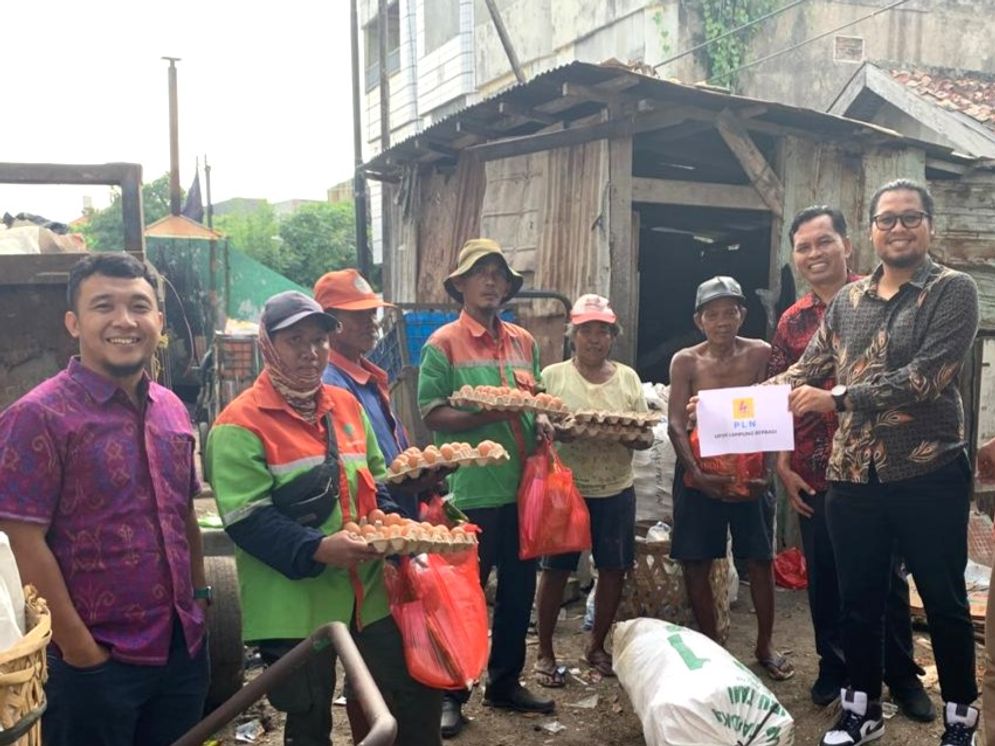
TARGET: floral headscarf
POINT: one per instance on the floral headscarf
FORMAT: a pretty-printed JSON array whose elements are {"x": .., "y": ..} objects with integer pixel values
[{"x": 300, "y": 393}]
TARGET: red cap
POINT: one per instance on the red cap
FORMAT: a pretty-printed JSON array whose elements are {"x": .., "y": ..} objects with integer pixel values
[
  {"x": 347, "y": 290},
  {"x": 592, "y": 307}
]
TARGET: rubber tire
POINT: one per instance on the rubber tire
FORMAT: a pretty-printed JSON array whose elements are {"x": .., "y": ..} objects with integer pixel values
[{"x": 224, "y": 627}]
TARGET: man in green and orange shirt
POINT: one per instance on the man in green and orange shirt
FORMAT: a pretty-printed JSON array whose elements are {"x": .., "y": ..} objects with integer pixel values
[{"x": 479, "y": 349}]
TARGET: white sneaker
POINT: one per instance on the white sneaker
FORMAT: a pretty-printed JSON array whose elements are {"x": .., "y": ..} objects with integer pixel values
[
  {"x": 860, "y": 722},
  {"x": 961, "y": 722}
]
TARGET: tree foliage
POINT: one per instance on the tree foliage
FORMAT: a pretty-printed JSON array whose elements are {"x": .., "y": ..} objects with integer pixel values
[
  {"x": 725, "y": 56},
  {"x": 317, "y": 238},
  {"x": 302, "y": 246},
  {"x": 104, "y": 229}
]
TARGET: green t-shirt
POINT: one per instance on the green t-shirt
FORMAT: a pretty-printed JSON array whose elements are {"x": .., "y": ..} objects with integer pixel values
[
  {"x": 600, "y": 468},
  {"x": 464, "y": 352}
]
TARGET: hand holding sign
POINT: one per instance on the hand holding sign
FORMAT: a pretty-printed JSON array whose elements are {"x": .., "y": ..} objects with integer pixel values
[{"x": 745, "y": 419}]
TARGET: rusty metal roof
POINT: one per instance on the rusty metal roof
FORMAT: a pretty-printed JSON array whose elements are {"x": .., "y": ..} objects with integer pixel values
[
  {"x": 971, "y": 94},
  {"x": 180, "y": 226},
  {"x": 575, "y": 91}
]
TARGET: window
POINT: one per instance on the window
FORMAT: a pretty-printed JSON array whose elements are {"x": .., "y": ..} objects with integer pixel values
[
  {"x": 441, "y": 23},
  {"x": 372, "y": 45},
  {"x": 848, "y": 49}
]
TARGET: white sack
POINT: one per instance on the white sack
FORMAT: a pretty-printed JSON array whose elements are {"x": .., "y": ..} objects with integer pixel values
[{"x": 689, "y": 691}]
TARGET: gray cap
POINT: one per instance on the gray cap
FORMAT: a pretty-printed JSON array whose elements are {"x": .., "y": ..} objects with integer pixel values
[
  {"x": 718, "y": 287},
  {"x": 287, "y": 308}
]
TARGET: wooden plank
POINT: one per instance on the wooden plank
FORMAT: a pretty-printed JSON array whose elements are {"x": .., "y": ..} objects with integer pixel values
[
  {"x": 621, "y": 127},
  {"x": 752, "y": 160},
  {"x": 696, "y": 194},
  {"x": 606, "y": 93},
  {"x": 623, "y": 247}
]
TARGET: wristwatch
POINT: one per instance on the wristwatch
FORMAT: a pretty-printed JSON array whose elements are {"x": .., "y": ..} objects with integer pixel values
[
  {"x": 838, "y": 392},
  {"x": 206, "y": 593}
]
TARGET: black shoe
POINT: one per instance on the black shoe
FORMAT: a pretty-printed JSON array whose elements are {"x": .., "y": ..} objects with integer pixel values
[
  {"x": 859, "y": 723},
  {"x": 827, "y": 687},
  {"x": 519, "y": 699},
  {"x": 961, "y": 722},
  {"x": 913, "y": 701},
  {"x": 452, "y": 718}
]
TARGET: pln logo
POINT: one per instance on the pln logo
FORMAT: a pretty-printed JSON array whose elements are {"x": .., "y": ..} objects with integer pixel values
[{"x": 743, "y": 414}]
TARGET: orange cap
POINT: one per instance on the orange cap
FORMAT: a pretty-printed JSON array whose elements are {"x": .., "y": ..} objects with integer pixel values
[{"x": 347, "y": 290}]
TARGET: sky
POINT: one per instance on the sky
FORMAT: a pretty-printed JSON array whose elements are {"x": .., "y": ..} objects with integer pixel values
[{"x": 264, "y": 92}]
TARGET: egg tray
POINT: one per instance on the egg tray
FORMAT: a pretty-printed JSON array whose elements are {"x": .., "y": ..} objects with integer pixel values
[
  {"x": 614, "y": 433},
  {"x": 639, "y": 420},
  {"x": 406, "y": 545},
  {"x": 507, "y": 404},
  {"x": 474, "y": 460}
]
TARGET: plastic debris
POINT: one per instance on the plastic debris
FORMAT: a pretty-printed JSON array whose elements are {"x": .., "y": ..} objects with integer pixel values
[
  {"x": 588, "y": 703},
  {"x": 249, "y": 732},
  {"x": 553, "y": 726}
]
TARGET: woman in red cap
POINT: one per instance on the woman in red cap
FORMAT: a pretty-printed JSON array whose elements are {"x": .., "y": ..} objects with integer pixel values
[{"x": 603, "y": 474}]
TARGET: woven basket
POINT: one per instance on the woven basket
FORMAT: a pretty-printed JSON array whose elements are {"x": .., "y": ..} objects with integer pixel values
[
  {"x": 655, "y": 588},
  {"x": 24, "y": 670}
]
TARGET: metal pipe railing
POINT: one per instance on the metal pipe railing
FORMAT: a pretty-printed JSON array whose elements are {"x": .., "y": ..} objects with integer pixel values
[{"x": 383, "y": 728}]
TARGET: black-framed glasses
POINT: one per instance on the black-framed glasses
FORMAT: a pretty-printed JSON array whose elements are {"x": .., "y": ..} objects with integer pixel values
[{"x": 887, "y": 221}]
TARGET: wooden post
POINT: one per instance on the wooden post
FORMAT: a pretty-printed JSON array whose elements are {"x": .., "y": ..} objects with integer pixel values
[{"x": 623, "y": 247}]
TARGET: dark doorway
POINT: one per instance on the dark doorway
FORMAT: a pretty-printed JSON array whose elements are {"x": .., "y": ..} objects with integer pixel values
[{"x": 679, "y": 247}]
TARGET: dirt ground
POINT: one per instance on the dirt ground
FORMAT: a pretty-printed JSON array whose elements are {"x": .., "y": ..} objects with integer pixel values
[{"x": 612, "y": 722}]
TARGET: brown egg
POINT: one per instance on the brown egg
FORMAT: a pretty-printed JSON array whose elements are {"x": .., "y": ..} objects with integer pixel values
[
  {"x": 431, "y": 455},
  {"x": 397, "y": 466},
  {"x": 351, "y": 526},
  {"x": 376, "y": 516},
  {"x": 447, "y": 451},
  {"x": 484, "y": 448},
  {"x": 368, "y": 531},
  {"x": 413, "y": 459}
]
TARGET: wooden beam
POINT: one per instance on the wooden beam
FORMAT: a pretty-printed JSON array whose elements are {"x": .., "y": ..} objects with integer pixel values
[
  {"x": 507, "y": 108},
  {"x": 512, "y": 146},
  {"x": 938, "y": 164},
  {"x": 621, "y": 127},
  {"x": 426, "y": 145},
  {"x": 470, "y": 127},
  {"x": 623, "y": 244},
  {"x": 696, "y": 194},
  {"x": 764, "y": 179}
]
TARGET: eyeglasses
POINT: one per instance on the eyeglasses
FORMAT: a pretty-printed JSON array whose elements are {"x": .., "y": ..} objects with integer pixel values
[{"x": 888, "y": 221}]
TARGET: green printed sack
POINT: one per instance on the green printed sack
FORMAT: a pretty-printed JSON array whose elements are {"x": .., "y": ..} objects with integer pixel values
[{"x": 688, "y": 691}]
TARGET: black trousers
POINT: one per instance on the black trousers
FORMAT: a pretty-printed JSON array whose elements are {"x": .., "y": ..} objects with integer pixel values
[
  {"x": 827, "y": 615},
  {"x": 516, "y": 587},
  {"x": 926, "y": 518}
]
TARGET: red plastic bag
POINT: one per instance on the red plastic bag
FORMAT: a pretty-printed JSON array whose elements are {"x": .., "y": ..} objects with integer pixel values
[
  {"x": 742, "y": 466},
  {"x": 438, "y": 604},
  {"x": 790, "y": 570},
  {"x": 552, "y": 515}
]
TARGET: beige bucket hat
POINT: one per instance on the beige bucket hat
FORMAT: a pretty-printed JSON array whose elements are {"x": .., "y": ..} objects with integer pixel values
[{"x": 472, "y": 252}]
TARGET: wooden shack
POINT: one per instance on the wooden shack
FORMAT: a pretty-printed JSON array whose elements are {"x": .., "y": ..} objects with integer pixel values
[{"x": 595, "y": 178}]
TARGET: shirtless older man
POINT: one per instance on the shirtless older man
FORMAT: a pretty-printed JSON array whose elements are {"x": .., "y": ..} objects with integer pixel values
[{"x": 707, "y": 503}]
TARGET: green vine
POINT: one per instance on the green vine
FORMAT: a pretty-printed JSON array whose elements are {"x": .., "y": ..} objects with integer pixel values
[
  {"x": 663, "y": 32},
  {"x": 720, "y": 16}
]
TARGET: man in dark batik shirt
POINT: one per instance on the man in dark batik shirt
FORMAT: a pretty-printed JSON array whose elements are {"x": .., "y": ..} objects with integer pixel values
[
  {"x": 820, "y": 250},
  {"x": 895, "y": 343}
]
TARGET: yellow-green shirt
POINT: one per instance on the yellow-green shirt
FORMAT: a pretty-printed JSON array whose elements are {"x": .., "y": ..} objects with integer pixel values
[{"x": 600, "y": 468}]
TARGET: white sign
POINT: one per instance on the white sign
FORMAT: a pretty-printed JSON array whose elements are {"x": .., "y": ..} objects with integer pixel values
[{"x": 746, "y": 419}]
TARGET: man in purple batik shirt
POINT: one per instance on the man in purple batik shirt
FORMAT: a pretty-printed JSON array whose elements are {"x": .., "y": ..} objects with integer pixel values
[{"x": 96, "y": 488}]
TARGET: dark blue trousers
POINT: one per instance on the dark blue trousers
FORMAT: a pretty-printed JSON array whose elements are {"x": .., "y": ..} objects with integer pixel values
[
  {"x": 516, "y": 586},
  {"x": 121, "y": 704}
]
